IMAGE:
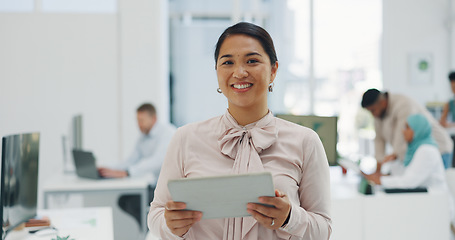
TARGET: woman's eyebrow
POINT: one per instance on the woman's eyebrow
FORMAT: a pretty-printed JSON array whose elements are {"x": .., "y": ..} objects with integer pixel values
[
  {"x": 247, "y": 55},
  {"x": 226, "y": 56},
  {"x": 252, "y": 54}
]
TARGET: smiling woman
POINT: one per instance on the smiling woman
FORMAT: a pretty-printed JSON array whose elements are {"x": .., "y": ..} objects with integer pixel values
[
  {"x": 244, "y": 73},
  {"x": 246, "y": 139}
]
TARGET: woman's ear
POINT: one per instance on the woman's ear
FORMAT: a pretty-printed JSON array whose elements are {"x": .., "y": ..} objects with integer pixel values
[{"x": 274, "y": 71}]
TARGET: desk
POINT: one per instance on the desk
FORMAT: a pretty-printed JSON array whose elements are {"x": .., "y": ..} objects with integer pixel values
[
  {"x": 80, "y": 224},
  {"x": 417, "y": 216},
  {"x": 102, "y": 192}
]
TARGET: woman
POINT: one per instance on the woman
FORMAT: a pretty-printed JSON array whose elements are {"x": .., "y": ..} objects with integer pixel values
[
  {"x": 422, "y": 164},
  {"x": 247, "y": 138}
]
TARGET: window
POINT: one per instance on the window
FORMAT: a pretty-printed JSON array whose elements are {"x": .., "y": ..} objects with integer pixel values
[
  {"x": 328, "y": 51},
  {"x": 75, "y": 6},
  {"x": 17, "y": 5},
  {"x": 346, "y": 49}
]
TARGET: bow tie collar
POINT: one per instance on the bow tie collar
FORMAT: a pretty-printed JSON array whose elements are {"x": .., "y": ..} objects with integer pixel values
[{"x": 244, "y": 143}]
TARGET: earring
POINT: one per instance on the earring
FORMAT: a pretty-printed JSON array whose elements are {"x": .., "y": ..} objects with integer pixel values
[
  {"x": 219, "y": 90},
  {"x": 271, "y": 87}
]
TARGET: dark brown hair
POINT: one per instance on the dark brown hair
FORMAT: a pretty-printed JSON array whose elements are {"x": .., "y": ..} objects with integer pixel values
[
  {"x": 147, "y": 107},
  {"x": 253, "y": 31}
]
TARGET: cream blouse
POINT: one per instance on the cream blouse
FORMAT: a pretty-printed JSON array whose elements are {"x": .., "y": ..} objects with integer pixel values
[{"x": 219, "y": 146}]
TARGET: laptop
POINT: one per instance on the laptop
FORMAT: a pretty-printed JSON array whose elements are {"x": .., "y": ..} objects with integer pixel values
[{"x": 85, "y": 164}]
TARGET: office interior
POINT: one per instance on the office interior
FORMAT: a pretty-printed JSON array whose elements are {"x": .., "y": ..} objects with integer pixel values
[{"x": 103, "y": 58}]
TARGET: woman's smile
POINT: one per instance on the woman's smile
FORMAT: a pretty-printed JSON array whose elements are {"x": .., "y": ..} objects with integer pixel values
[{"x": 241, "y": 87}]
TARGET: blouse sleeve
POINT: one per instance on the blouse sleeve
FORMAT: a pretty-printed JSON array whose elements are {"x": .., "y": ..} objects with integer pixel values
[
  {"x": 311, "y": 219},
  {"x": 172, "y": 169}
]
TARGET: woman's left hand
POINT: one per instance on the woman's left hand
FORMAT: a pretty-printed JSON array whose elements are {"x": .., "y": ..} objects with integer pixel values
[{"x": 271, "y": 217}]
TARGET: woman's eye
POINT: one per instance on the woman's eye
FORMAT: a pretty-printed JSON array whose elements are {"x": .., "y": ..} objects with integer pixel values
[
  {"x": 252, "y": 61},
  {"x": 226, "y": 63}
]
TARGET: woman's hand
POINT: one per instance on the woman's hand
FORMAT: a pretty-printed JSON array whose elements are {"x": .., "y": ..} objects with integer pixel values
[
  {"x": 179, "y": 221},
  {"x": 271, "y": 217},
  {"x": 375, "y": 177}
]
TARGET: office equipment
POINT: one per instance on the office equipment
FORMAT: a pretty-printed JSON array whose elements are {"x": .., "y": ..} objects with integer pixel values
[
  {"x": 325, "y": 127},
  {"x": 405, "y": 190},
  {"x": 85, "y": 164},
  {"x": 73, "y": 140},
  {"x": 76, "y": 135},
  {"x": 222, "y": 196},
  {"x": 19, "y": 179},
  {"x": 100, "y": 194}
]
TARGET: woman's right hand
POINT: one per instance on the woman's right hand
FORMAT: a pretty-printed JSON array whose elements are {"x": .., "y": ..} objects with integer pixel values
[{"x": 178, "y": 220}]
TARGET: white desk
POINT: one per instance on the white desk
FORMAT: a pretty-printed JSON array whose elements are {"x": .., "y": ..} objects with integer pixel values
[
  {"x": 102, "y": 192},
  {"x": 80, "y": 224},
  {"x": 417, "y": 216}
]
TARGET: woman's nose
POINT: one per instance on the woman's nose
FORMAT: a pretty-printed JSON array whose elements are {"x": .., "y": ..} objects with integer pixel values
[{"x": 240, "y": 72}]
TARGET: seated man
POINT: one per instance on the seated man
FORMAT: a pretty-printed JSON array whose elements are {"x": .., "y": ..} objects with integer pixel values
[
  {"x": 148, "y": 155},
  {"x": 146, "y": 158}
]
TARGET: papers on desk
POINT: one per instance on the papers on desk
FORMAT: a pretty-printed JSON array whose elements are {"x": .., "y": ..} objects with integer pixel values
[
  {"x": 350, "y": 165},
  {"x": 75, "y": 218}
]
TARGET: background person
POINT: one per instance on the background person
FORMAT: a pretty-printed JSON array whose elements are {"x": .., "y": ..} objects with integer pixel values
[
  {"x": 449, "y": 107},
  {"x": 247, "y": 138},
  {"x": 422, "y": 165},
  {"x": 150, "y": 149},
  {"x": 146, "y": 158},
  {"x": 390, "y": 112}
]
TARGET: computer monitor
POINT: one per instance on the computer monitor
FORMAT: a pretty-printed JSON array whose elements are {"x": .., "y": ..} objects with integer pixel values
[
  {"x": 72, "y": 141},
  {"x": 76, "y": 132},
  {"x": 325, "y": 127},
  {"x": 19, "y": 179}
]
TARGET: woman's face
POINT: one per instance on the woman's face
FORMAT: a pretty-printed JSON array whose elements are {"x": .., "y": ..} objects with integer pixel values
[
  {"x": 244, "y": 72},
  {"x": 408, "y": 133}
]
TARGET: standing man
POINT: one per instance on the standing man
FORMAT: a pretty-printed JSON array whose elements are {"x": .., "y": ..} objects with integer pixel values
[
  {"x": 150, "y": 149},
  {"x": 390, "y": 112}
]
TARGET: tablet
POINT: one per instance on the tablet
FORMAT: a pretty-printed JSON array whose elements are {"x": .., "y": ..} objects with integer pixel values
[{"x": 222, "y": 196}]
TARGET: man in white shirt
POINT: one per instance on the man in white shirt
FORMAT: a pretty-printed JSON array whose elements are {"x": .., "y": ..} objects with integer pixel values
[
  {"x": 146, "y": 158},
  {"x": 390, "y": 112},
  {"x": 150, "y": 149}
]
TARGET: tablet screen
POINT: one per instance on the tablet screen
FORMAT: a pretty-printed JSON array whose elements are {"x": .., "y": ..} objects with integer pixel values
[{"x": 222, "y": 196}]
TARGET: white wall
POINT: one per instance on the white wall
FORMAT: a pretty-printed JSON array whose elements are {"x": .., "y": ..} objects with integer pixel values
[
  {"x": 144, "y": 63},
  {"x": 55, "y": 65},
  {"x": 411, "y": 26}
]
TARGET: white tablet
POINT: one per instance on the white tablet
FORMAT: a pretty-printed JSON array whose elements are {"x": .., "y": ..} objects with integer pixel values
[{"x": 222, "y": 196}]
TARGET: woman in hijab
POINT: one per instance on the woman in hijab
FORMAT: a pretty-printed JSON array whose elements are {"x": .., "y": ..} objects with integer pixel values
[{"x": 423, "y": 165}]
